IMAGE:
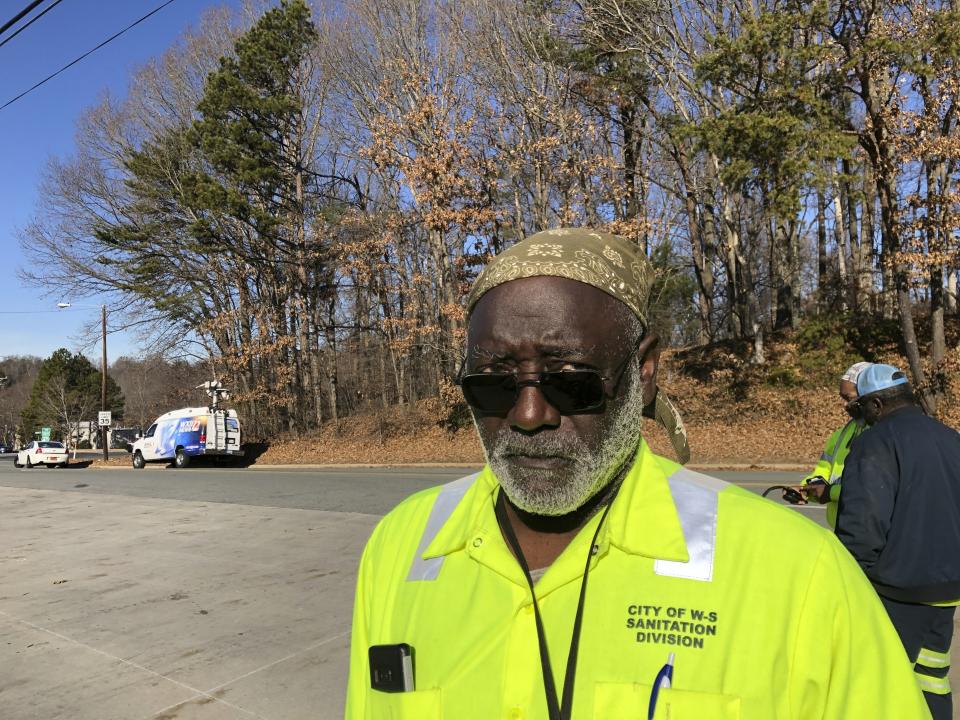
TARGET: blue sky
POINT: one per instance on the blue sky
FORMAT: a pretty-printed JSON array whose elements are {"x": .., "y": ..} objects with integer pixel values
[{"x": 41, "y": 125}]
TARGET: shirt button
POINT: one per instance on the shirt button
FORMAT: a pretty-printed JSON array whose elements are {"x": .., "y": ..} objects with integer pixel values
[
  {"x": 516, "y": 714},
  {"x": 528, "y": 610},
  {"x": 477, "y": 541}
]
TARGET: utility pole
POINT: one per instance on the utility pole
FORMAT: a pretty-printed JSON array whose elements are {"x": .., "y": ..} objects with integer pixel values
[{"x": 104, "y": 434}]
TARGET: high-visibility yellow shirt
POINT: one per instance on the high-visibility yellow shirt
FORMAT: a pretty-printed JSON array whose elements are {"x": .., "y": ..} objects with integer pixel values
[
  {"x": 685, "y": 563},
  {"x": 830, "y": 465}
]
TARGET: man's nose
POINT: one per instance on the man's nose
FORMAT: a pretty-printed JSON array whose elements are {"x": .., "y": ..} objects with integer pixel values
[{"x": 532, "y": 411}]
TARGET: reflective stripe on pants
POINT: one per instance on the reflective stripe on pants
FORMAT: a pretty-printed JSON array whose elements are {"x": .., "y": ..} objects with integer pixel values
[{"x": 935, "y": 685}]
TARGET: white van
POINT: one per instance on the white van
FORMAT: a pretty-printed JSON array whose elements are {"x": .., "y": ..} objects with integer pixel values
[{"x": 188, "y": 432}]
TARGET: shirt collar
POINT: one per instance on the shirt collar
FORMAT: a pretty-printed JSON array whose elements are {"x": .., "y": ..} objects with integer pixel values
[
  {"x": 467, "y": 517},
  {"x": 642, "y": 521}
]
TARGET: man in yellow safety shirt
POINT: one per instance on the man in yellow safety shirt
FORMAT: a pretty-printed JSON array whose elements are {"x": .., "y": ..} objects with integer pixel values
[
  {"x": 823, "y": 484},
  {"x": 578, "y": 575}
]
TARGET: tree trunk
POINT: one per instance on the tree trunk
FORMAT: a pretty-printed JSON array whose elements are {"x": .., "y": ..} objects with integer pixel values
[
  {"x": 937, "y": 183},
  {"x": 867, "y": 257},
  {"x": 448, "y": 347},
  {"x": 821, "y": 253},
  {"x": 733, "y": 295},
  {"x": 731, "y": 251},
  {"x": 886, "y": 191},
  {"x": 840, "y": 239},
  {"x": 784, "y": 274},
  {"x": 331, "y": 338},
  {"x": 702, "y": 249},
  {"x": 853, "y": 234},
  {"x": 793, "y": 237},
  {"x": 938, "y": 347}
]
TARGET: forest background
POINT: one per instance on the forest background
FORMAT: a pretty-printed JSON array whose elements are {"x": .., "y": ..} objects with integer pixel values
[{"x": 294, "y": 199}]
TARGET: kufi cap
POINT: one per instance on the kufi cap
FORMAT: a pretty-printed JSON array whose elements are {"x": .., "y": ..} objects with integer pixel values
[
  {"x": 853, "y": 372},
  {"x": 879, "y": 377},
  {"x": 607, "y": 262}
]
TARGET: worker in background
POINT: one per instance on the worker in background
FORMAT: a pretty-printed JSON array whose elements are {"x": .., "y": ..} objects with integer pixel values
[
  {"x": 577, "y": 571},
  {"x": 900, "y": 519},
  {"x": 823, "y": 484}
]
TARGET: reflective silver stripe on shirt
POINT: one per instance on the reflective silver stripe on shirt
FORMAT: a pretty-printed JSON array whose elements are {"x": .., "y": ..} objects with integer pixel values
[
  {"x": 696, "y": 499},
  {"x": 848, "y": 431},
  {"x": 830, "y": 456},
  {"x": 447, "y": 500}
]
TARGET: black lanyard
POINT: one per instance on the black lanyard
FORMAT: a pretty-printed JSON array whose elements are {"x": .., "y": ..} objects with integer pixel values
[{"x": 557, "y": 711}]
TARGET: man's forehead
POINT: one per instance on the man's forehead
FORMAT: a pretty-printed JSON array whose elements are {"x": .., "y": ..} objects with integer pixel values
[
  {"x": 538, "y": 295},
  {"x": 550, "y": 306},
  {"x": 505, "y": 343},
  {"x": 548, "y": 317}
]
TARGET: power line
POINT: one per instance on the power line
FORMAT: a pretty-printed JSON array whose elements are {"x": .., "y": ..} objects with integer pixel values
[
  {"x": 32, "y": 21},
  {"x": 32, "y": 312},
  {"x": 21, "y": 14},
  {"x": 89, "y": 52}
]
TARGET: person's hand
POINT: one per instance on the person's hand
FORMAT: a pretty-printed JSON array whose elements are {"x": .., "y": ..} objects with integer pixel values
[
  {"x": 795, "y": 495},
  {"x": 818, "y": 490}
]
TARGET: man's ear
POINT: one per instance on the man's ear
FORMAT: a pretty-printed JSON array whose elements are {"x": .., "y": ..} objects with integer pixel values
[{"x": 649, "y": 358}]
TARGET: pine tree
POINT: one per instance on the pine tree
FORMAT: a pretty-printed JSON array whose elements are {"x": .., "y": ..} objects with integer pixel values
[{"x": 65, "y": 393}]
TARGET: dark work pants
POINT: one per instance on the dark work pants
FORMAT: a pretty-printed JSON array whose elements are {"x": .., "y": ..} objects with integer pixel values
[{"x": 926, "y": 631}]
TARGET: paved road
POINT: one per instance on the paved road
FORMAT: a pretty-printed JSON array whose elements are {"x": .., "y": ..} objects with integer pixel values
[
  {"x": 203, "y": 593},
  {"x": 360, "y": 490}
]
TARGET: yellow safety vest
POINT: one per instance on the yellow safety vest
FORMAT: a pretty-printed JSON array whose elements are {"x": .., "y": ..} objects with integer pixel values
[
  {"x": 830, "y": 465},
  {"x": 685, "y": 563}
]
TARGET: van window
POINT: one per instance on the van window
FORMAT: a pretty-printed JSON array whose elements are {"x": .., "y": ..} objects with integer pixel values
[{"x": 152, "y": 429}]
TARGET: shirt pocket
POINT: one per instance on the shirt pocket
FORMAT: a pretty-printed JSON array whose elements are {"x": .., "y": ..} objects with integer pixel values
[
  {"x": 416, "y": 705},
  {"x": 629, "y": 701}
]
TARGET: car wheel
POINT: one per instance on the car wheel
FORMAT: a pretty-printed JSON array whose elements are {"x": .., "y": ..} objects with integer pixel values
[
  {"x": 28, "y": 463},
  {"x": 138, "y": 461},
  {"x": 181, "y": 460},
  {"x": 64, "y": 464},
  {"x": 16, "y": 462}
]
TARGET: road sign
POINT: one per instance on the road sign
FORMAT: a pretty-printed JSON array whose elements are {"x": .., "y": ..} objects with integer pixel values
[
  {"x": 44, "y": 433},
  {"x": 103, "y": 418}
]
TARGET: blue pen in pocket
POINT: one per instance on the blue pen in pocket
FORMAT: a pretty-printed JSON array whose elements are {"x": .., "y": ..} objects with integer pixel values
[{"x": 663, "y": 680}]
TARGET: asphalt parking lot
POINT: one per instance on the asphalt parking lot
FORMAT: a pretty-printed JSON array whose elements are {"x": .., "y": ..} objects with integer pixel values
[
  {"x": 182, "y": 594},
  {"x": 174, "y": 595}
]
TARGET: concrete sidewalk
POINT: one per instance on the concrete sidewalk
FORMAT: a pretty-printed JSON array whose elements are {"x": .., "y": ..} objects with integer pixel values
[{"x": 114, "y": 607}]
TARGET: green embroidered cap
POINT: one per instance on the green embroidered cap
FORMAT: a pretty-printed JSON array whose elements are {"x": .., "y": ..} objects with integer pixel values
[{"x": 607, "y": 262}]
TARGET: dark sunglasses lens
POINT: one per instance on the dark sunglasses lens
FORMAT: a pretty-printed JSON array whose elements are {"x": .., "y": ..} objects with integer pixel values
[
  {"x": 490, "y": 392},
  {"x": 569, "y": 392},
  {"x": 573, "y": 390}
]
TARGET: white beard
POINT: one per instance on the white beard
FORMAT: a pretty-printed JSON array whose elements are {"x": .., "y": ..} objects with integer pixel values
[{"x": 535, "y": 492}]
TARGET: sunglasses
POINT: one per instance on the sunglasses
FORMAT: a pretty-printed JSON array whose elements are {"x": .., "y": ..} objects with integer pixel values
[{"x": 569, "y": 391}]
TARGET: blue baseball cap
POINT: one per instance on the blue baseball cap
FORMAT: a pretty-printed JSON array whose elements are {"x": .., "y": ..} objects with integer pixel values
[{"x": 879, "y": 377}]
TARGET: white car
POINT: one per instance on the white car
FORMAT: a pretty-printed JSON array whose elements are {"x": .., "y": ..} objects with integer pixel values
[{"x": 42, "y": 452}]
